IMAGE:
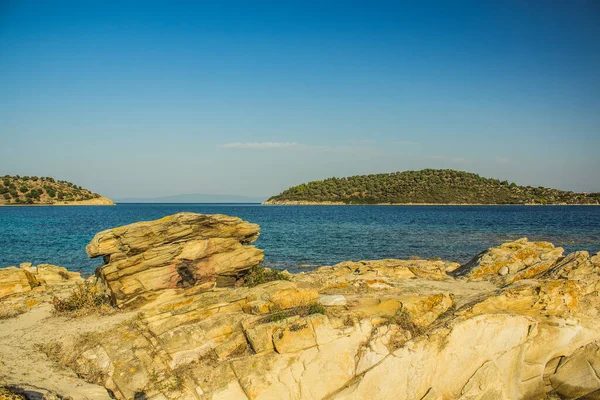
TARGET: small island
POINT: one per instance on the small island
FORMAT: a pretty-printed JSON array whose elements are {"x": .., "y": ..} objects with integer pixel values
[
  {"x": 426, "y": 187},
  {"x": 33, "y": 190}
]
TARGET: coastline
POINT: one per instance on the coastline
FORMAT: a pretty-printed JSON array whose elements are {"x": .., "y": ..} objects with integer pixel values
[
  {"x": 508, "y": 298},
  {"x": 333, "y": 203},
  {"x": 101, "y": 201}
]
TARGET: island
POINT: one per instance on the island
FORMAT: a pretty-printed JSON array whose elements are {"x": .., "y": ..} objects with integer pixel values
[
  {"x": 426, "y": 187},
  {"x": 33, "y": 190}
]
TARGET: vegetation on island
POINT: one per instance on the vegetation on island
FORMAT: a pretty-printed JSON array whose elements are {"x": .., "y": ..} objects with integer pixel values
[
  {"x": 428, "y": 186},
  {"x": 41, "y": 190}
]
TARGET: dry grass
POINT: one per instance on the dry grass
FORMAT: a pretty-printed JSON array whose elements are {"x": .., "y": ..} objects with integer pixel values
[
  {"x": 84, "y": 300},
  {"x": 7, "y": 312},
  {"x": 65, "y": 356},
  {"x": 405, "y": 321}
]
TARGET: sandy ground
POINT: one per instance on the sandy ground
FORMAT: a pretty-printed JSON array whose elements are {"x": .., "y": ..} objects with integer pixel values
[{"x": 23, "y": 365}]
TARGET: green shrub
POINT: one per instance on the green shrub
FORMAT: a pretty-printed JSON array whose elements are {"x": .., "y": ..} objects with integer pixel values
[
  {"x": 259, "y": 274},
  {"x": 23, "y": 189},
  {"x": 302, "y": 311},
  {"x": 50, "y": 191}
]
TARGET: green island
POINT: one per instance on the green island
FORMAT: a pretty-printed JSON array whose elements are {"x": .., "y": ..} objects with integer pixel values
[
  {"x": 428, "y": 186},
  {"x": 33, "y": 190}
]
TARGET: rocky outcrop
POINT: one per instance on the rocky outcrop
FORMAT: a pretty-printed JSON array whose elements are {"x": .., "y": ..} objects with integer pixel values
[
  {"x": 98, "y": 201},
  {"x": 27, "y": 277},
  {"x": 512, "y": 261},
  {"x": 178, "y": 251},
  {"x": 383, "y": 329},
  {"x": 13, "y": 280},
  {"x": 389, "y": 329}
]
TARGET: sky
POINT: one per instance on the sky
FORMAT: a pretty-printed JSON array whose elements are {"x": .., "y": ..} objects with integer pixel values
[{"x": 148, "y": 98}]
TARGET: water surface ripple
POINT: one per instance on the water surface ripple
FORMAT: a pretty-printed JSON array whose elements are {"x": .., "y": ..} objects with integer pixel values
[{"x": 301, "y": 237}]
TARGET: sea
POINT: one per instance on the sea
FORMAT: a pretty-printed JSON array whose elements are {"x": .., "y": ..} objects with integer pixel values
[{"x": 301, "y": 238}]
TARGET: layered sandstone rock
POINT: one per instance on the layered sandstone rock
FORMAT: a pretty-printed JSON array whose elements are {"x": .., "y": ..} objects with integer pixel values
[
  {"x": 511, "y": 261},
  {"x": 176, "y": 251},
  {"x": 386, "y": 329},
  {"x": 13, "y": 280}
]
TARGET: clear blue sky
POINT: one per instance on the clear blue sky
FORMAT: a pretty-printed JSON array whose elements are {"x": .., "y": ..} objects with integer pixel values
[{"x": 156, "y": 98}]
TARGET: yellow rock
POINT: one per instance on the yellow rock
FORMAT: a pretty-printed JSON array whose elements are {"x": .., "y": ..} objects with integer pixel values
[{"x": 13, "y": 280}]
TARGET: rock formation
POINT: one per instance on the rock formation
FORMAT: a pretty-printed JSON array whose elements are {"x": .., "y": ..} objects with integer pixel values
[
  {"x": 512, "y": 261},
  {"x": 177, "y": 251},
  {"x": 519, "y": 321},
  {"x": 27, "y": 277}
]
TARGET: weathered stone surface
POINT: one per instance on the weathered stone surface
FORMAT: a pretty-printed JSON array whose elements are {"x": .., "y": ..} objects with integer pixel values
[
  {"x": 48, "y": 274},
  {"x": 577, "y": 376},
  {"x": 13, "y": 280},
  {"x": 176, "y": 251},
  {"x": 511, "y": 262},
  {"x": 141, "y": 236},
  {"x": 333, "y": 300},
  {"x": 28, "y": 277},
  {"x": 390, "y": 329}
]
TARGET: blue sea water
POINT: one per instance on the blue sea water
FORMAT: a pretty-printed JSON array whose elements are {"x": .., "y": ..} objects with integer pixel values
[{"x": 302, "y": 237}]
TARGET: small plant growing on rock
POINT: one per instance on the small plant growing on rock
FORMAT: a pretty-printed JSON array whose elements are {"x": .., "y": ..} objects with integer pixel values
[
  {"x": 259, "y": 274},
  {"x": 316, "y": 308},
  {"x": 85, "y": 299},
  {"x": 302, "y": 311},
  {"x": 404, "y": 320}
]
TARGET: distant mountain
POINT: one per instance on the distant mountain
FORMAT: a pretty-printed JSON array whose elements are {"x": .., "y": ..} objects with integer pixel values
[
  {"x": 428, "y": 186},
  {"x": 193, "y": 198},
  {"x": 32, "y": 190}
]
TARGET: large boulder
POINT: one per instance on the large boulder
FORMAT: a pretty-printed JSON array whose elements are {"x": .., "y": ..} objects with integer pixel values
[
  {"x": 576, "y": 376},
  {"x": 511, "y": 262},
  {"x": 174, "y": 252},
  {"x": 13, "y": 280}
]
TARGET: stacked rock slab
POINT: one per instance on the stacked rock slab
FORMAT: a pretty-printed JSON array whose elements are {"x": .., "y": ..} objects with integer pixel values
[{"x": 174, "y": 252}]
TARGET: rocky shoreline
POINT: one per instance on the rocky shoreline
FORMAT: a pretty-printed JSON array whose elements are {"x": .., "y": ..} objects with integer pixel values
[
  {"x": 194, "y": 316},
  {"x": 339, "y": 203},
  {"x": 100, "y": 201}
]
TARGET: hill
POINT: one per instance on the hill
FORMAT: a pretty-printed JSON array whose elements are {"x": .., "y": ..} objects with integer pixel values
[
  {"x": 26, "y": 190},
  {"x": 428, "y": 186}
]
